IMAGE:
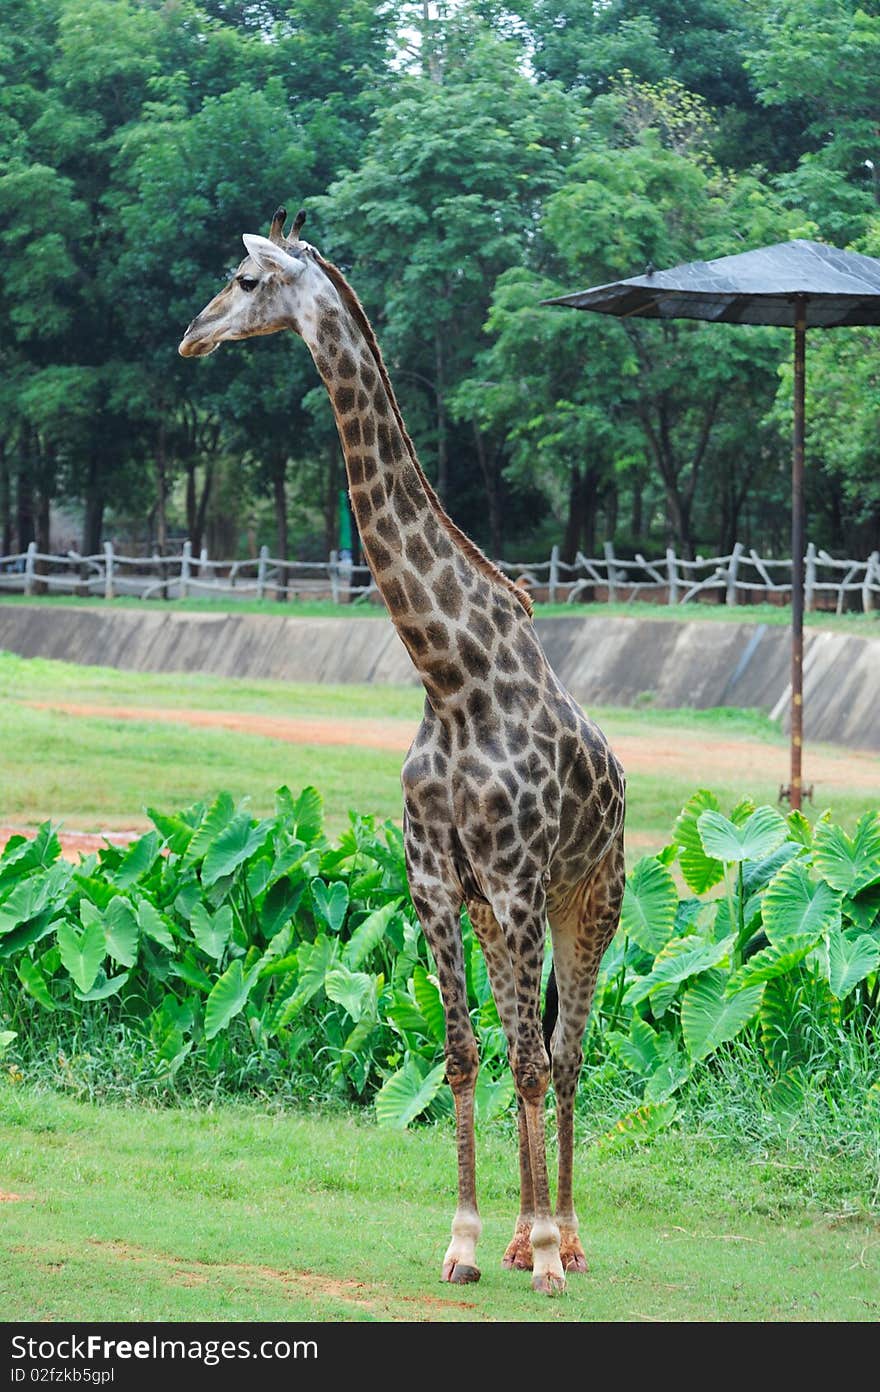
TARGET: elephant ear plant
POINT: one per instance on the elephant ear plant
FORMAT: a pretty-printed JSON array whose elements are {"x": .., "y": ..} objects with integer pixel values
[
  {"x": 786, "y": 950},
  {"x": 224, "y": 950}
]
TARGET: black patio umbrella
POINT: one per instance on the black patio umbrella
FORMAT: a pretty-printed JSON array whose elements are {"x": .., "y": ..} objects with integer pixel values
[{"x": 802, "y": 285}]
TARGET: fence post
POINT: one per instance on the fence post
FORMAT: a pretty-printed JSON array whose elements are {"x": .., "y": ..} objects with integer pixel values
[
  {"x": 732, "y": 572},
  {"x": 554, "y": 573},
  {"x": 185, "y": 558},
  {"x": 261, "y": 572},
  {"x": 333, "y": 572},
  {"x": 109, "y": 591},
  {"x": 810, "y": 578},
  {"x": 672, "y": 573},
  {"x": 30, "y": 566},
  {"x": 871, "y": 569},
  {"x": 612, "y": 573}
]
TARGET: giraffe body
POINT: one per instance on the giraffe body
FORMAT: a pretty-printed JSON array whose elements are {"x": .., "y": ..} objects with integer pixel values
[{"x": 513, "y": 800}]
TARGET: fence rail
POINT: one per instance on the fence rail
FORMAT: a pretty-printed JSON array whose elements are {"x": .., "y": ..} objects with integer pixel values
[{"x": 742, "y": 576}]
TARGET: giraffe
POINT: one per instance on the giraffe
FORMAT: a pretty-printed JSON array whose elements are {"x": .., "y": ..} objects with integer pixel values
[{"x": 513, "y": 800}]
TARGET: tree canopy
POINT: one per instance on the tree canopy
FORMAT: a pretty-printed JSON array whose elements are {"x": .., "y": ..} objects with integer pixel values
[{"x": 461, "y": 162}]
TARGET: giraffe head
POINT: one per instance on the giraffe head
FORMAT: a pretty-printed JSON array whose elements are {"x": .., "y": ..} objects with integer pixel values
[{"x": 272, "y": 289}]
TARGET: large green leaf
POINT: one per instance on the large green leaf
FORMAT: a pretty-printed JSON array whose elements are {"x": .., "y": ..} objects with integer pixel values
[
  {"x": 34, "y": 982},
  {"x": 331, "y": 902},
  {"x": 212, "y": 932},
  {"x": 710, "y": 1017},
  {"x": 354, "y": 991},
  {"x": 82, "y": 952},
  {"x": 679, "y": 959},
  {"x": 138, "y": 859},
  {"x": 851, "y": 957},
  {"x": 429, "y": 1001},
  {"x": 864, "y": 908},
  {"x": 235, "y": 844},
  {"x": 653, "y": 1056},
  {"x": 650, "y": 902},
  {"x": 758, "y": 837},
  {"x": 104, "y": 986},
  {"x": 640, "y": 1125},
  {"x": 492, "y": 1097},
  {"x": 700, "y": 871},
  {"x": 22, "y": 855},
  {"x": 772, "y": 961},
  {"x": 28, "y": 898},
  {"x": 228, "y": 997},
  {"x": 280, "y": 904},
  {"x": 121, "y": 931},
  {"x": 305, "y": 812},
  {"x": 785, "y": 1024},
  {"x": 407, "y": 1093},
  {"x": 368, "y": 934},
  {"x": 849, "y": 864},
  {"x": 153, "y": 924},
  {"x": 315, "y": 960},
  {"x": 794, "y": 907},
  {"x": 218, "y": 816},
  {"x": 175, "y": 830}
]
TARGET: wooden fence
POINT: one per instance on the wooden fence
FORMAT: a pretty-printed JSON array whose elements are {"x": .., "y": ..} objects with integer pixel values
[{"x": 741, "y": 577}]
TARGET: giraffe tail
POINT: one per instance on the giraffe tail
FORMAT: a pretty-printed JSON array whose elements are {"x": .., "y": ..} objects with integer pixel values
[{"x": 551, "y": 1011}]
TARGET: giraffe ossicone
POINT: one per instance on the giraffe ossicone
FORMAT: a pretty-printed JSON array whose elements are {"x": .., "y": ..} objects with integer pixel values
[{"x": 513, "y": 800}]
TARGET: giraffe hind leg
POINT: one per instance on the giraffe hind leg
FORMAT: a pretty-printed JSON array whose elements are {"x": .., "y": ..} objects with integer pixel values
[{"x": 581, "y": 932}]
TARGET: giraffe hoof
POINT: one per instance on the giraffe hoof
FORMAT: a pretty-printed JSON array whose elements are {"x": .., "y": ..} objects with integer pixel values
[
  {"x": 462, "y": 1275},
  {"x": 548, "y": 1283},
  {"x": 572, "y": 1256},
  {"x": 518, "y": 1257}
]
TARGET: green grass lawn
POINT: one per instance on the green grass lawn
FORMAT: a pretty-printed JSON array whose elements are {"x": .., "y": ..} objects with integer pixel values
[
  {"x": 102, "y": 772},
  {"x": 232, "y": 1213},
  {"x": 853, "y": 622}
]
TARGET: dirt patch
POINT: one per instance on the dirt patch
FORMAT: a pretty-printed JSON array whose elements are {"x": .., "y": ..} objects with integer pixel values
[
  {"x": 76, "y": 843},
  {"x": 10, "y": 1198},
  {"x": 395, "y": 736},
  {"x": 699, "y": 756},
  {"x": 191, "y": 1272}
]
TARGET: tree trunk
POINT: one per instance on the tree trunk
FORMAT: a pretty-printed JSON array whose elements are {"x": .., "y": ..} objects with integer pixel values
[
  {"x": 492, "y": 483},
  {"x": 24, "y": 493},
  {"x": 93, "y": 518},
  {"x": 5, "y": 502},
  {"x": 161, "y": 491},
  {"x": 331, "y": 498},
  {"x": 279, "y": 491},
  {"x": 609, "y": 507},
  {"x": 637, "y": 508},
  {"x": 571, "y": 536},
  {"x": 197, "y": 502}
]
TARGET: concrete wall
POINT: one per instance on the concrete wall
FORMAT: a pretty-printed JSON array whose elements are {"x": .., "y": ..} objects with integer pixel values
[{"x": 603, "y": 661}]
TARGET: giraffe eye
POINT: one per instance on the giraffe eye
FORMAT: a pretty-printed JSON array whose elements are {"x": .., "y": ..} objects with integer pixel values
[{"x": 247, "y": 284}]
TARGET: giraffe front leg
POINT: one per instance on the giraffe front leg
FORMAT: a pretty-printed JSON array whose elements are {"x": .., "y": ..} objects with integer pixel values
[
  {"x": 518, "y": 1255},
  {"x": 460, "y": 1264},
  {"x": 438, "y": 911}
]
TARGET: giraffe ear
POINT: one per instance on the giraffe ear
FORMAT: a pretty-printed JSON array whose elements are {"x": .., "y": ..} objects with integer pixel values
[{"x": 270, "y": 257}]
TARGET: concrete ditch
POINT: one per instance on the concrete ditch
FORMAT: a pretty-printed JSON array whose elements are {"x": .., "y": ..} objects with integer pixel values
[{"x": 603, "y": 661}]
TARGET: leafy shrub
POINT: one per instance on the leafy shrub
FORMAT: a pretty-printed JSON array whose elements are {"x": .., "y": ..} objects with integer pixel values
[{"x": 253, "y": 948}]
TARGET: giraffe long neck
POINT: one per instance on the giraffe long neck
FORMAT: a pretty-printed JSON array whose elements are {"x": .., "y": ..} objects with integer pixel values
[{"x": 448, "y": 603}]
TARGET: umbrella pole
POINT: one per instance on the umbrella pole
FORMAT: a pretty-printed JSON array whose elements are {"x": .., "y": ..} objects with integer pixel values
[{"x": 795, "y": 791}]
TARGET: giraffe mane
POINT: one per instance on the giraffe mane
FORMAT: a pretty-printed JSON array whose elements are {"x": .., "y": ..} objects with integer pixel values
[{"x": 464, "y": 543}]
